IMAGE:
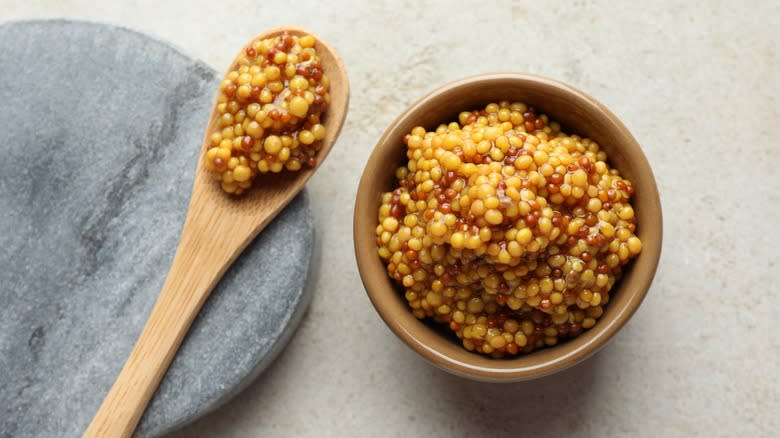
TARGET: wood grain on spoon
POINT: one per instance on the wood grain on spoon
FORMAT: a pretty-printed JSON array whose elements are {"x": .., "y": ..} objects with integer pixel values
[{"x": 217, "y": 228}]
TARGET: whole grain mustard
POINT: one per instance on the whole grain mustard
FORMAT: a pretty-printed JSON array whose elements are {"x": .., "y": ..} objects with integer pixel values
[
  {"x": 269, "y": 110},
  {"x": 507, "y": 230}
]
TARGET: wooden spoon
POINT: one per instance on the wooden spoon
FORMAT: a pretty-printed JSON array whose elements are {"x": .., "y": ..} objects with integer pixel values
[{"x": 218, "y": 227}]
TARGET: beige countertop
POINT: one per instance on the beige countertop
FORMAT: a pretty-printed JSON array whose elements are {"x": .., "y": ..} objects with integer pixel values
[{"x": 697, "y": 84}]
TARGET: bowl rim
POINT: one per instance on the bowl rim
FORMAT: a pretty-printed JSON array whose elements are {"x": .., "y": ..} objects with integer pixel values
[{"x": 549, "y": 360}]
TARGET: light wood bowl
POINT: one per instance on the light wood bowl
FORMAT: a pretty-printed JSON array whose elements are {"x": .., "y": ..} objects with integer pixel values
[{"x": 579, "y": 114}]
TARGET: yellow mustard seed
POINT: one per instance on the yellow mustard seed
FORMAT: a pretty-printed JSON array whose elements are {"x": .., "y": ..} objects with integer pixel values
[
  {"x": 272, "y": 144},
  {"x": 298, "y": 106}
]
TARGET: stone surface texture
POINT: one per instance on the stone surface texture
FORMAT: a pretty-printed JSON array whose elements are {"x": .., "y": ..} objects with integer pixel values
[
  {"x": 698, "y": 85},
  {"x": 101, "y": 128}
]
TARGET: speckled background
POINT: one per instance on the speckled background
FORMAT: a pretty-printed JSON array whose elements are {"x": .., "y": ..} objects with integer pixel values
[{"x": 697, "y": 84}]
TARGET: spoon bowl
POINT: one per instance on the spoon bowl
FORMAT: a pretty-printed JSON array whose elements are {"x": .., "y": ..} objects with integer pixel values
[
  {"x": 217, "y": 229},
  {"x": 270, "y": 191}
]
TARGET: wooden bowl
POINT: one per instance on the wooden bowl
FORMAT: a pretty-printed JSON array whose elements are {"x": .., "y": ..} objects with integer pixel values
[{"x": 579, "y": 114}]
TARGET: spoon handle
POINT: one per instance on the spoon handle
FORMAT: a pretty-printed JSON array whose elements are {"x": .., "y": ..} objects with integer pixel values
[{"x": 199, "y": 263}]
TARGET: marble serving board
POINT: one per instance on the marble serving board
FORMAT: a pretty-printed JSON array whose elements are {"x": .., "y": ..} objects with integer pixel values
[{"x": 100, "y": 128}]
